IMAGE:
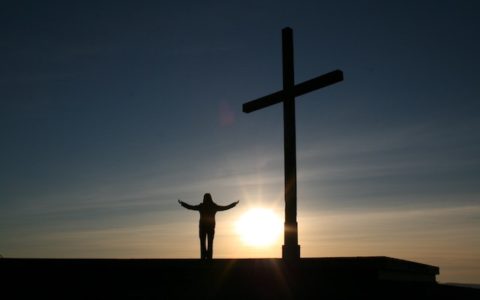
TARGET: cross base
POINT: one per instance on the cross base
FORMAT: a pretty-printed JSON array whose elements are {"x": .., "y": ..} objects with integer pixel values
[{"x": 291, "y": 252}]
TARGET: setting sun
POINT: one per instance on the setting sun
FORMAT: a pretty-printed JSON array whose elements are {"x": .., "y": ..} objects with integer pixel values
[{"x": 259, "y": 227}]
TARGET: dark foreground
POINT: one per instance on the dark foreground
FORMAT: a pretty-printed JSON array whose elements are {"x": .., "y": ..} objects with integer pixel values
[{"x": 308, "y": 278}]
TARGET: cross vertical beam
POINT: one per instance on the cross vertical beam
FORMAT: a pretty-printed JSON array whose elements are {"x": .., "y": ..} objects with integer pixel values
[{"x": 290, "y": 249}]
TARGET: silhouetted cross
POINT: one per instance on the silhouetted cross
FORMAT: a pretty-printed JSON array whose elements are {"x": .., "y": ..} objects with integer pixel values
[{"x": 291, "y": 249}]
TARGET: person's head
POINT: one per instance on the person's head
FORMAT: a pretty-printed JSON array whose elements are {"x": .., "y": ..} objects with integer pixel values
[{"x": 207, "y": 198}]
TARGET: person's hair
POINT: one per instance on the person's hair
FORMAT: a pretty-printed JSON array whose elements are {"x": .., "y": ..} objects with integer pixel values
[{"x": 207, "y": 198}]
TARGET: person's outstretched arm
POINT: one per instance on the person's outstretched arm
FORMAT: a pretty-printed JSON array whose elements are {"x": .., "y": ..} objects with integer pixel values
[
  {"x": 188, "y": 206},
  {"x": 231, "y": 205}
]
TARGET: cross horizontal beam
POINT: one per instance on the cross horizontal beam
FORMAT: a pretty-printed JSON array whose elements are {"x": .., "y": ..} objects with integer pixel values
[{"x": 298, "y": 90}]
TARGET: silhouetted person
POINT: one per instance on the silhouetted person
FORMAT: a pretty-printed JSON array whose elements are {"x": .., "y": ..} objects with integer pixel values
[{"x": 207, "y": 210}]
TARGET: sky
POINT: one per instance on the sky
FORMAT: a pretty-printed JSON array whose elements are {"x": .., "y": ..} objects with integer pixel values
[{"x": 110, "y": 111}]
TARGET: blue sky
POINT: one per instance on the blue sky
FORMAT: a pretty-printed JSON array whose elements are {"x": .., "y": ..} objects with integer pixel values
[{"x": 112, "y": 110}]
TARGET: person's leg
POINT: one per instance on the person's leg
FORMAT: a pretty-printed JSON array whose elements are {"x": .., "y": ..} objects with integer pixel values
[
  {"x": 203, "y": 237},
  {"x": 210, "y": 235}
]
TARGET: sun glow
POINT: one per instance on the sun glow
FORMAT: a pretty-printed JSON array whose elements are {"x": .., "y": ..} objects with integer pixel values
[{"x": 259, "y": 227}]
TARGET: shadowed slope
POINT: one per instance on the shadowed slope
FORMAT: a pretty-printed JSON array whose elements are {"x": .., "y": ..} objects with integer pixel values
[{"x": 334, "y": 278}]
